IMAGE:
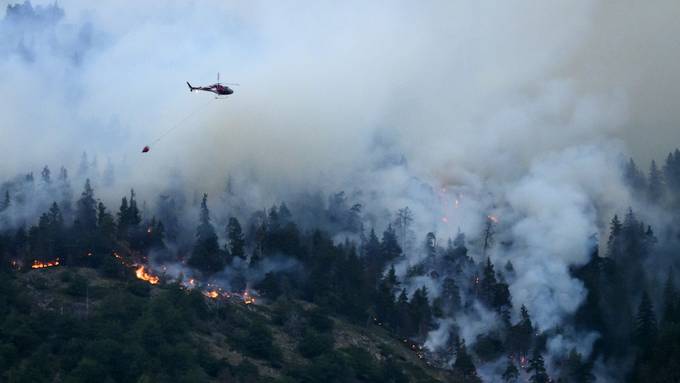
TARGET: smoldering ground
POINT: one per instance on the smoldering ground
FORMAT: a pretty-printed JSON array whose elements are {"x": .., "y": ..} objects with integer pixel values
[{"x": 496, "y": 103}]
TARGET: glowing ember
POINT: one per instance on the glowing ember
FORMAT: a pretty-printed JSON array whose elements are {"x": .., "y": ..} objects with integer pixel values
[
  {"x": 492, "y": 218},
  {"x": 143, "y": 275},
  {"x": 213, "y": 294},
  {"x": 523, "y": 361},
  {"x": 247, "y": 298},
  {"x": 42, "y": 265}
]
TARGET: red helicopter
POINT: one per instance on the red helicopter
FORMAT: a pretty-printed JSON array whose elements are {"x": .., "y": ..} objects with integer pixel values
[{"x": 218, "y": 88}]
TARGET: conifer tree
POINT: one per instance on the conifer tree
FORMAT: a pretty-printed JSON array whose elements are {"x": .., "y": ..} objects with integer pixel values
[
  {"x": 635, "y": 178},
  {"x": 537, "y": 368},
  {"x": 645, "y": 330},
  {"x": 614, "y": 240},
  {"x": 86, "y": 208},
  {"x": 670, "y": 300},
  {"x": 206, "y": 255},
  {"x": 488, "y": 283},
  {"x": 511, "y": 373},
  {"x": 389, "y": 247},
  {"x": 655, "y": 187},
  {"x": 464, "y": 364},
  {"x": 235, "y": 239}
]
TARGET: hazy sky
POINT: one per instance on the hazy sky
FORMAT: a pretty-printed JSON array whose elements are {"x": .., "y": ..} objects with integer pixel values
[{"x": 471, "y": 85}]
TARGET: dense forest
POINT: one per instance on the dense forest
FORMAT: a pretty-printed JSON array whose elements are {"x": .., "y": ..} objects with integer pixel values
[{"x": 139, "y": 287}]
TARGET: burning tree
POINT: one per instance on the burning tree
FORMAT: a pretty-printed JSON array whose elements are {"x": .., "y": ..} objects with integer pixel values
[{"x": 144, "y": 275}]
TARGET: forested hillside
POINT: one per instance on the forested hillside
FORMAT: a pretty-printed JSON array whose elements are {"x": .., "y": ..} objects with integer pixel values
[{"x": 89, "y": 293}]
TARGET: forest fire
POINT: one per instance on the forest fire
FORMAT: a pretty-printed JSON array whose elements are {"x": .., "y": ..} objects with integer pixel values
[
  {"x": 142, "y": 274},
  {"x": 43, "y": 265},
  {"x": 212, "y": 294},
  {"x": 247, "y": 298}
]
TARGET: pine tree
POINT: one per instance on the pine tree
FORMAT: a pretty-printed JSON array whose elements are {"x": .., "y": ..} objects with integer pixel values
[
  {"x": 86, "y": 208},
  {"x": 509, "y": 268},
  {"x": 670, "y": 299},
  {"x": 65, "y": 193},
  {"x": 671, "y": 173},
  {"x": 384, "y": 302},
  {"x": 206, "y": 255},
  {"x": 488, "y": 283},
  {"x": 284, "y": 213},
  {"x": 354, "y": 223},
  {"x": 85, "y": 224},
  {"x": 255, "y": 258},
  {"x": 635, "y": 178},
  {"x": 655, "y": 187},
  {"x": 575, "y": 370},
  {"x": 391, "y": 278},
  {"x": 54, "y": 232},
  {"x": 133, "y": 216},
  {"x": 372, "y": 253},
  {"x": 402, "y": 321},
  {"x": 521, "y": 334},
  {"x": 84, "y": 167},
  {"x": 389, "y": 247},
  {"x": 235, "y": 239},
  {"x": 108, "y": 176},
  {"x": 402, "y": 225},
  {"x": 123, "y": 217},
  {"x": 45, "y": 175},
  {"x": 488, "y": 234},
  {"x": 430, "y": 244},
  {"x": 273, "y": 218},
  {"x": 645, "y": 331},
  {"x": 421, "y": 312},
  {"x": 614, "y": 240},
  {"x": 511, "y": 373},
  {"x": 464, "y": 364},
  {"x": 537, "y": 368},
  {"x": 451, "y": 293},
  {"x": 105, "y": 222}
]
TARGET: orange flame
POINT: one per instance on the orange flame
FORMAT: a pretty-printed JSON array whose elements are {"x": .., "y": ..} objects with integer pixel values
[
  {"x": 42, "y": 265},
  {"x": 247, "y": 298},
  {"x": 213, "y": 294},
  {"x": 143, "y": 275}
]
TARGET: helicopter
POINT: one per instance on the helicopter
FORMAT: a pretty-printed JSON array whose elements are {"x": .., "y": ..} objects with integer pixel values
[{"x": 218, "y": 88}]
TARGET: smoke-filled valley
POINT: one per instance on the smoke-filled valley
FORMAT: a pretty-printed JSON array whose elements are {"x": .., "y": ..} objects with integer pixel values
[{"x": 395, "y": 192}]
